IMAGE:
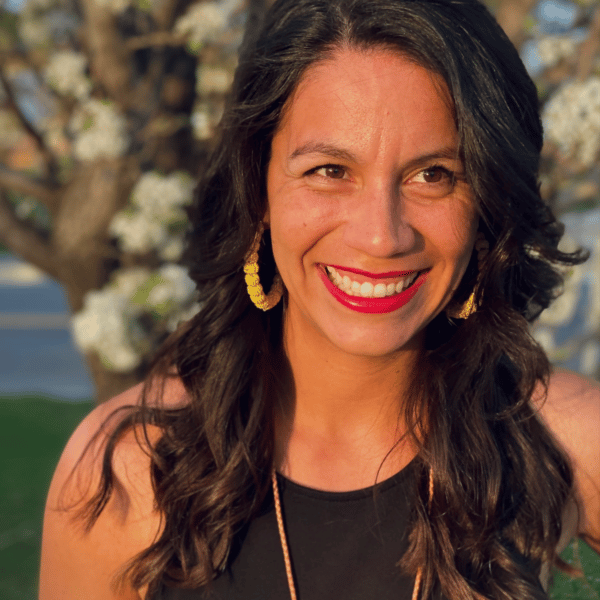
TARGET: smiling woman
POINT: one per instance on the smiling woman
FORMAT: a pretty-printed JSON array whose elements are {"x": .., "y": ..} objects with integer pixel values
[
  {"x": 380, "y": 424},
  {"x": 395, "y": 209}
]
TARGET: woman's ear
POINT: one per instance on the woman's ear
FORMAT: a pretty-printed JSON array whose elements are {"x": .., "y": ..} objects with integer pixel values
[{"x": 266, "y": 218}]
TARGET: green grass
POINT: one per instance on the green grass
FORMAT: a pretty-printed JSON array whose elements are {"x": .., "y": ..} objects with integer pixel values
[
  {"x": 564, "y": 587},
  {"x": 33, "y": 432}
]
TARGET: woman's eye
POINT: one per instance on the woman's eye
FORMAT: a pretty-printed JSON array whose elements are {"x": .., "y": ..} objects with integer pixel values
[
  {"x": 330, "y": 171},
  {"x": 434, "y": 175},
  {"x": 433, "y": 182}
]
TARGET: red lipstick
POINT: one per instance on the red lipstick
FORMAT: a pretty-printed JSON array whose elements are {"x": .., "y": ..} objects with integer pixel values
[
  {"x": 373, "y": 305},
  {"x": 372, "y": 275}
]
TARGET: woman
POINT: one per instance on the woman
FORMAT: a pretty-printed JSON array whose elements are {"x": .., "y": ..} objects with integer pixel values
[{"x": 392, "y": 402}]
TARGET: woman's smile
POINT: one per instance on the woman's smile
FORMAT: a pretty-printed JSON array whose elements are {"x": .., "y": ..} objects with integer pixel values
[
  {"x": 383, "y": 295},
  {"x": 372, "y": 221},
  {"x": 369, "y": 285}
]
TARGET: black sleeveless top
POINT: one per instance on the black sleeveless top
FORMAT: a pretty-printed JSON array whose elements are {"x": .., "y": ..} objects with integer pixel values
[{"x": 342, "y": 545}]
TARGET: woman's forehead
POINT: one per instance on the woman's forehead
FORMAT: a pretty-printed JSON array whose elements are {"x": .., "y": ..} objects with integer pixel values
[{"x": 364, "y": 94}]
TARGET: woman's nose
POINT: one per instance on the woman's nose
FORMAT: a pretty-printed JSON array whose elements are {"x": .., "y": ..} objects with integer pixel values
[{"x": 378, "y": 224}]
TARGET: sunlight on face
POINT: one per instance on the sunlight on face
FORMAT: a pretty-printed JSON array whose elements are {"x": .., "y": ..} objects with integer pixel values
[{"x": 372, "y": 221}]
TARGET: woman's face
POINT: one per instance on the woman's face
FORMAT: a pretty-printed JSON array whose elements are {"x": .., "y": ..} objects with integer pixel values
[{"x": 371, "y": 220}]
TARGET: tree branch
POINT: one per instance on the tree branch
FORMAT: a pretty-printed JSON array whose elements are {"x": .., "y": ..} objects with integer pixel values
[
  {"x": 164, "y": 13},
  {"x": 157, "y": 38},
  {"x": 21, "y": 183},
  {"x": 22, "y": 239},
  {"x": 589, "y": 48},
  {"x": 109, "y": 59},
  {"x": 32, "y": 61},
  {"x": 14, "y": 106}
]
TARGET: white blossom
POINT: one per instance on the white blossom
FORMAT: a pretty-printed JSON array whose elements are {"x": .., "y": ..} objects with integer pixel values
[
  {"x": 157, "y": 207},
  {"x": 99, "y": 130},
  {"x": 25, "y": 208},
  {"x": 35, "y": 25},
  {"x": 181, "y": 316},
  {"x": 34, "y": 31},
  {"x": 136, "y": 232},
  {"x": 65, "y": 72},
  {"x": 172, "y": 249},
  {"x": 572, "y": 119},
  {"x": 211, "y": 79},
  {"x": 201, "y": 123},
  {"x": 545, "y": 338},
  {"x": 102, "y": 326},
  {"x": 182, "y": 287},
  {"x": 554, "y": 48},
  {"x": 113, "y": 321},
  {"x": 173, "y": 286},
  {"x": 128, "y": 281},
  {"x": 163, "y": 197},
  {"x": 203, "y": 22}
]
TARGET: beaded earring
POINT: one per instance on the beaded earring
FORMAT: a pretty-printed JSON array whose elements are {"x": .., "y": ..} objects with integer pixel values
[
  {"x": 482, "y": 247},
  {"x": 255, "y": 289}
]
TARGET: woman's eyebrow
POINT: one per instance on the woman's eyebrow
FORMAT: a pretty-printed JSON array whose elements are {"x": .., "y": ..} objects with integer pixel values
[
  {"x": 325, "y": 149},
  {"x": 448, "y": 153}
]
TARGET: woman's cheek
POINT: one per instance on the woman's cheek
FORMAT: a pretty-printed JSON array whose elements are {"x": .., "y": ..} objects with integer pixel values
[{"x": 307, "y": 214}]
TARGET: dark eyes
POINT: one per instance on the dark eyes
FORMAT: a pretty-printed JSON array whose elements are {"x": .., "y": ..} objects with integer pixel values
[
  {"x": 435, "y": 174},
  {"x": 330, "y": 171}
]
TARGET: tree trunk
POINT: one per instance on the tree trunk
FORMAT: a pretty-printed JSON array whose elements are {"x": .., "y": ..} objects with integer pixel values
[
  {"x": 79, "y": 234},
  {"x": 109, "y": 383},
  {"x": 83, "y": 254}
]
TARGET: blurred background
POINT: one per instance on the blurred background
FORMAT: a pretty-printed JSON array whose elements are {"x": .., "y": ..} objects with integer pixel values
[{"x": 107, "y": 113}]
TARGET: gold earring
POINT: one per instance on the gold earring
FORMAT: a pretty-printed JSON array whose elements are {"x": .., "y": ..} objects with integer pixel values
[
  {"x": 482, "y": 247},
  {"x": 467, "y": 309},
  {"x": 255, "y": 289}
]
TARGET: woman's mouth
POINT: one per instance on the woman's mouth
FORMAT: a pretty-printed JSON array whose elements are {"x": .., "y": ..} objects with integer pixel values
[
  {"x": 366, "y": 289},
  {"x": 383, "y": 293}
]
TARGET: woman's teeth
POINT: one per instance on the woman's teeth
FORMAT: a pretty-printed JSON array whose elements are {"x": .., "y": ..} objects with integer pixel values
[{"x": 367, "y": 289}]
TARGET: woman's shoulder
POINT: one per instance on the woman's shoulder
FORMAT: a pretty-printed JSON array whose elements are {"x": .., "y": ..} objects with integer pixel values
[
  {"x": 129, "y": 522},
  {"x": 571, "y": 411}
]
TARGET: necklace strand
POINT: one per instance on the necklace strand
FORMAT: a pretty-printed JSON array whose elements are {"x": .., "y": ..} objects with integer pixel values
[
  {"x": 286, "y": 551},
  {"x": 282, "y": 537}
]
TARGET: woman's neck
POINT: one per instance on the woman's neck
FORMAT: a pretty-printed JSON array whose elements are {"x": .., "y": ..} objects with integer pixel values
[{"x": 342, "y": 427}]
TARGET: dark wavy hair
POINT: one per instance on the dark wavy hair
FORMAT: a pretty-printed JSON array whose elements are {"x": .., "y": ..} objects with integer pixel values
[{"x": 500, "y": 481}]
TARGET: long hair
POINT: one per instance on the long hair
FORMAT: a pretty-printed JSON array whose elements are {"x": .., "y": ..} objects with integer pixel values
[{"x": 500, "y": 482}]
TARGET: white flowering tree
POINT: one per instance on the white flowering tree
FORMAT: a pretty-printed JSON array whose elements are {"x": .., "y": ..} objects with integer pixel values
[
  {"x": 107, "y": 111},
  {"x": 563, "y": 44}
]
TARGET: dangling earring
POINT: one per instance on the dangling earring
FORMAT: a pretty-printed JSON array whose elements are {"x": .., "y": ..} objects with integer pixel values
[
  {"x": 482, "y": 247},
  {"x": 255, "y": 289}
]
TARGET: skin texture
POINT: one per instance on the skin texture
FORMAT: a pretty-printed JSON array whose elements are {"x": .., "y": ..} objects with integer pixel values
[
  {"x": 360, "y": 177},
  {"x": 348, "y": 186},
  {"x": 356, "y": 180}
]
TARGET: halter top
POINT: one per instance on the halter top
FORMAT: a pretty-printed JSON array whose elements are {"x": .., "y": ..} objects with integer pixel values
[{"x": 342, "y": 545}]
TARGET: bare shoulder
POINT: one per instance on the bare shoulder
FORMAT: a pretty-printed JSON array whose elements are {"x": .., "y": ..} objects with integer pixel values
[
  {"x": 128, "y": 524},
  {"x": 572, "y": 413}
]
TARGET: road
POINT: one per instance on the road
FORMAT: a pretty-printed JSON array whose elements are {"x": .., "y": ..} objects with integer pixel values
[{"x": 36, "y": 351}]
